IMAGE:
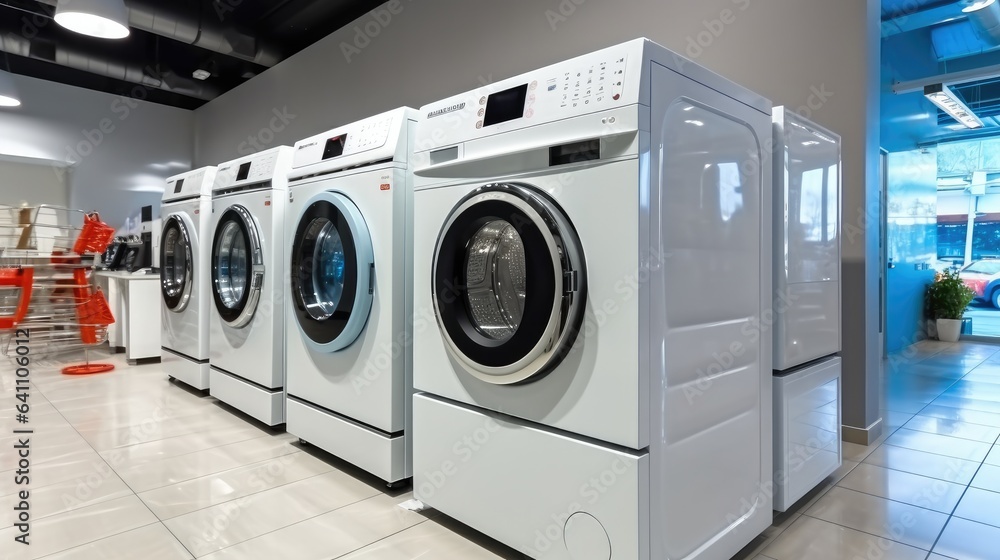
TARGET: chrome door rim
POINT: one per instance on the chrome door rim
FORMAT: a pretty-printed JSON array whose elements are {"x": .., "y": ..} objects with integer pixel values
[
  {"x": 256, "y": 272},
  {"x": 563, "y": 248},
  {"x": 185, "y": 296}
]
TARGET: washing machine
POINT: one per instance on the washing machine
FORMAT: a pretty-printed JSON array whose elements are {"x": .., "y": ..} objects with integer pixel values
[
  {"x": 186, "y": 211},
  {"x": 348, "y": 308},
  {"x": 591, "y": 262},
  {"x": 247, "y": 325}
]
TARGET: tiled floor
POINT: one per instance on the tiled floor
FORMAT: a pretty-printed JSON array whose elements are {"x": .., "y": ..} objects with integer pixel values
[
  {"x": 930, "y": 486},
  {"x": 127, "y": 465}
]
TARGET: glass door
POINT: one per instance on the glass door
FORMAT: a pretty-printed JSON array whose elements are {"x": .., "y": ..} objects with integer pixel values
[
  {"x": 237, "y": 266},
  {"x": 509, "y": 283},
  {"x": 332, "y": 268},
  {"x": 176, "y": 263}
]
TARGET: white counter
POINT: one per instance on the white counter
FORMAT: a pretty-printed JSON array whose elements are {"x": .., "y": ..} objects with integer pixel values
[{"x": 134, "y": 300}]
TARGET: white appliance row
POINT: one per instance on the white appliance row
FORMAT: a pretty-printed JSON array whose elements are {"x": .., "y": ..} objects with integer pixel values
[
  {"x": 348, "y": 292},
  {"x": 186, "y": 211},
  {"x": 247, "y": 326},
  {"x": 807, "y": 365},
  {"x": 563, "y": 274}
]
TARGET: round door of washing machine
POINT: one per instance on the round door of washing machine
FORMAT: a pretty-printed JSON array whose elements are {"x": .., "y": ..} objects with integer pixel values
[
  {"x": 176, "y": 263},
  {"x": 509, "y": 283},
  {"x": 237, "y": 266},
  {"x": 332, "y": 272}
]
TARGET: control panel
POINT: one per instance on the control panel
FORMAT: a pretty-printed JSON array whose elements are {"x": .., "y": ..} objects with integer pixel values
[
  {"x": 260, "y": 168},
  {"x": 598, "y": 81},
  {"x": 594, "y": 83},
  {"x": 193, "y": 183},
  {"x": 362, "y": 136}
]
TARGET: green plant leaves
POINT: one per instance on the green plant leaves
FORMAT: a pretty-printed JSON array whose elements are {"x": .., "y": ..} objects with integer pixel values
[{"x": 948, "y": 296}]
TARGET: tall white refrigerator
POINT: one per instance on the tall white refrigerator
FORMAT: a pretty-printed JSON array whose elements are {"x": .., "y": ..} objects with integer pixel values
[{"x": 807, "y": 300}]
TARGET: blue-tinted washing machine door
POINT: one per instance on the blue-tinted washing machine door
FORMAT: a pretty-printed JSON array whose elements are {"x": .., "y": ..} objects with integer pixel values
[
  {"x": 332, "y": 272},
  {"x": 176, "y": 263}
]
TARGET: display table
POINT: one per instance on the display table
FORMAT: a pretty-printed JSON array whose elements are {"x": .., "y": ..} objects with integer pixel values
[{"x": 134, "y": 300}]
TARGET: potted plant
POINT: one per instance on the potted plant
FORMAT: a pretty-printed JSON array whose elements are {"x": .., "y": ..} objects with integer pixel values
[{"x": 947, "y": 298}]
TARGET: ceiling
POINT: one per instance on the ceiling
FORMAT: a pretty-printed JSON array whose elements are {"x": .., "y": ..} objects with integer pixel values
[
  {"x": 233, "y": 40},
  {"x": 933, "y": 41}
]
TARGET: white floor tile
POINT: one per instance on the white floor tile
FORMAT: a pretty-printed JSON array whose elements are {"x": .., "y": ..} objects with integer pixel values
[
  {"x": 942, "y": 467},
  {"x": 157, "y": 474},
  {"x": 941, "y": 445},
  {"x": 968, "y": 540},
  {"x": 953, "y": 428},
  {"x": 427, "y": 540},
  {"x": 152, "y": 542},
  {"x": 814, "y": 539},
  {"x": 80, "y": 526},
  {"x": 199, "y": 493},
  {"x": 66, "y": 468},
  {"x": 180, "y": 445},
  {"x": 224, "y": 525},
  {"x": 988, "y": 478},
  {"x": 981, "y": 506},
  {"x": 896, "y": 521},
  {"x": 908, "y": 488},
  {"x": 344, "y": 530},
  {"x": 88, "y": 488},
  {"x": 962, "y": 415}
]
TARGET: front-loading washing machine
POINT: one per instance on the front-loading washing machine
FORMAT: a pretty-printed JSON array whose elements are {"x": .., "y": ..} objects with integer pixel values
[
  {"x": 348, "y": 293},
  {"x": 590, "y": 244},
  {"x": 186, "y": 212},
  {"x": 247, "y": 326}
]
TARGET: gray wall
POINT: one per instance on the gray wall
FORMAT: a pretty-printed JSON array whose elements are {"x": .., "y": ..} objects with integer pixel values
[
  {"x": 118, "y": 151},
  {"x": 817, "y": 55},
  {"x": 28, "y": 181}
]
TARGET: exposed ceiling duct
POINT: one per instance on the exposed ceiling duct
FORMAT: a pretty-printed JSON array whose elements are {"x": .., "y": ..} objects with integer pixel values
[
  {"x": 189, "y": 26},
  {"x": 986, "y": 22},
  {"x": 15, "y": 44}
]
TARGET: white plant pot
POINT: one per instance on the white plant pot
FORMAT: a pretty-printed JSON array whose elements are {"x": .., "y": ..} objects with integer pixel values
[{"x": 949, "y": 330}]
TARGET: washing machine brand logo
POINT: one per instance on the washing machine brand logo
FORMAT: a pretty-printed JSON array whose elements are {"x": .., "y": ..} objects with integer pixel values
[
  {"x": 309, "y": 145},
  {"x": 446, "y": 110}
]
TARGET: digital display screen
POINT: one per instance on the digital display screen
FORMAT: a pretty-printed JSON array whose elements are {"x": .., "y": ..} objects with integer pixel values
[
  {"x": 505, "y": 105},
  {"x": 179, "y": 186},
  {"x": 334, "y": 146},
  {"x": 244, "y": 171}
]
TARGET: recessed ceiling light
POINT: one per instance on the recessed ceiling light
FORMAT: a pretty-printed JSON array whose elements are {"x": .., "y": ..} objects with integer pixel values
[
  {"x": 200, "y": 74},
  {"x": 696, "y": 123},
  {"x": 105, "y": 19}
]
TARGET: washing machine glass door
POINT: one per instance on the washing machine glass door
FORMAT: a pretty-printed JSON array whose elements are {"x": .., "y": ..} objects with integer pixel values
[
  {"x": 176, "y": 263},
  {"x": 332, "y": 272},
  {"x": 237, "y": 266},
  {"x": 509, "y": 283}
]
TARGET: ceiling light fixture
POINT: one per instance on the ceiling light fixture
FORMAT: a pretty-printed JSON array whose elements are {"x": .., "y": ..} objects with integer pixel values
[
  {"x": 200, "y": 74},
  {"x": 942, "y": 96},
  {"x": 977, "y": 5},
  {"x": 695, "y": 122},
  {"x": 810, "y": 143},
  {"x": 105, "y": 19},
  {"x": 8, "y": 91}
]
